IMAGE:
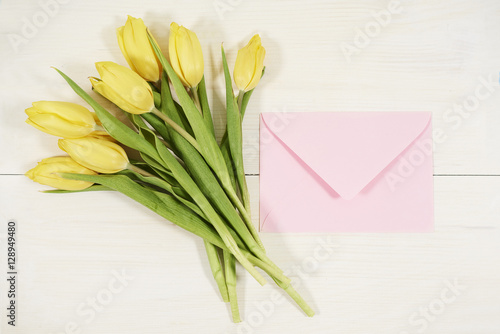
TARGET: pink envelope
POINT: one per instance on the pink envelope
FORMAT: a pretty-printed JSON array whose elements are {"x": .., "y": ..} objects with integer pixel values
[{"x": 346, "y": 172}]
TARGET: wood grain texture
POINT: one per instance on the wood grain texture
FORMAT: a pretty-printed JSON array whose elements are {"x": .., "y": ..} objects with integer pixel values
[
  {"x": 442, "y": 57},
  {"x": 429, "y": 56},
  {"x": 357, "y": 282}
]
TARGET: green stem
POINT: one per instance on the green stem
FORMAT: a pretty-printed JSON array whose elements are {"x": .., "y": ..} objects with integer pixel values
[
  {"x": 229, "y": 163},
  {"x": 243, "y": 212},
  {"x": 205, "y": 107},
  {"x": 230, "y": 269},
  {"x": 224, "y": 145},
  {"x": 218, "y": 193},
  {"x": 157, "y": 99},
  {"x": 243, "y": 107},
  {"x": 196, "y": 98},
  {"x": 235, "y": 143},
  {"x": 270, "y": 268},
  {"x": 242, "y": 183},
  {"x": 177, "y": 128},
  {"x": 283, "y": 282},
  {"x": 139, "y": 170},
  {"x": 166, "y": 144},
  {"x": 296, "y": 297},
  {"x": 216, "y": 267},
  {"x": 240, "y": 101}
]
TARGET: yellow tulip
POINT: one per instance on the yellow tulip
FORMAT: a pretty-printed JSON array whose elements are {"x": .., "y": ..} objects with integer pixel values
[
  {"x": 62, "y": 119},
  {"x": 125, "y": 88},
  {"x": 103, "y": 137},
  {"x": 185, "y": 54},
  {"x": 135, "y": 46},
  {"x": 100, "y": 155},
  {"x": 47, "y": 173},
  {"x": 249, "y": 64}
]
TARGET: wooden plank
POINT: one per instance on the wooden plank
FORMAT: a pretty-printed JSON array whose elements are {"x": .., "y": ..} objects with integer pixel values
[
  {"x": 436, "y": 56},
  {"x": 72, "y": 246},
  {"x": 428, "y": 55}
]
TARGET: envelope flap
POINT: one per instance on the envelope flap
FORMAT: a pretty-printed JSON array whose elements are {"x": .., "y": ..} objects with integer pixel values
[{"x": 347, "y": 149}]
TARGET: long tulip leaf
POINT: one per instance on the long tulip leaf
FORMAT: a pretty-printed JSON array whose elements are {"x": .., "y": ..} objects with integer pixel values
[
  {"x": 166, "y": 186},
  {"x": 209, "y": 185},
  {"x": 95, "y": 187},
  {"x": 167, "y": 207},
  {"x": 192, "y": 189},
  {"x": 209, "y": 148},
  {"x": 229, "y": 163},
  {"x": 216, "y": 268},
  {"x": 243, "y": 108},
  {"x": 230, "y": 270},
  {"x": 205, "y": 107},
  {"x": 235, "y": 136}
]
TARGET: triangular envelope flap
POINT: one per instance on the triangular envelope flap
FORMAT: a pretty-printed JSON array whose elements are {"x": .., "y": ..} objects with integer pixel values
[{"x": 347, "y": 149}]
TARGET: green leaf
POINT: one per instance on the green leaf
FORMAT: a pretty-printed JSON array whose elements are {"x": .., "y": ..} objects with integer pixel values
[
  {"x": 169, "y": 103},
  {"x": 192, "y": 189},
  {"x": 210, "y": 187},
  {"x": 156, "y": 165},
  {"x": 235, "y": 139},
  {"x": 157, "y": 98},
  {"x": 144, "y": 131},
  {"x": 244, "y": 104},
  {"x": 230, "y": 270},
  {"x": 229, "y": 163},
  {"x": 95, "y": 187},
  {"x": 168, "y": 207},
  {"x": 247, "y": 96},
  {"x": 158, "y": 125},
  {"x": 216, "y": 267},
  {"x": 138, "y": 121},
  {"x": 164, "y": 197},
  {"x": 166, "y": 186},
  {"x": 205, "y": 107},
  {"x": 209, "y": 148}
]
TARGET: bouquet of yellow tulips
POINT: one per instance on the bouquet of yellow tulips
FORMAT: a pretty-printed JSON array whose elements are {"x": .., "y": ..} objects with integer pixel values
[{"x": 183, "y": 173}]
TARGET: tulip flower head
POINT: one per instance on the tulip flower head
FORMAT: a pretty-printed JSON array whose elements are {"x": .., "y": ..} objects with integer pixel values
[
  {"x": 62, "y": 119},
  {"x": 47, "y": 173},
  {"x": 186, "y": 56},
  {"x": 137, "y": 50},
  {"x": 125, "y": 88},
  {"x": 100, "y": 155},
  {"x": 249, "y": 64}
]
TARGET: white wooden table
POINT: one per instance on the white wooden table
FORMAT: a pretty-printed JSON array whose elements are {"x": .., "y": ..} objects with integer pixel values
[{"x": 441, "y": 56}]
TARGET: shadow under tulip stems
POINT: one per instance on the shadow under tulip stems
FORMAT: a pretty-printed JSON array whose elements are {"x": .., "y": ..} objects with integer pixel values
[{"x": 183, "y": 174}]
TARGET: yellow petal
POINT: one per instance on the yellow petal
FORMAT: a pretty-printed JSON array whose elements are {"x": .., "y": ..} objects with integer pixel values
[
  {"x": 123, "y": 87},
  {"x": 139, "y": 50},
  {"x": 186, "y": 55},
  {"x": 47, "y": 173},
  {"x": 62, "y": 119},
  {"x": 119, "y": 35},
  {"x": 249, "y": 64},
  {"x": 97, "y": 154}
]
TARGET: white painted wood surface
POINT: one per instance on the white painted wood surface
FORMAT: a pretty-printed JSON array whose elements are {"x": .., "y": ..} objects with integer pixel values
[{"x": 429, "y": 56}]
